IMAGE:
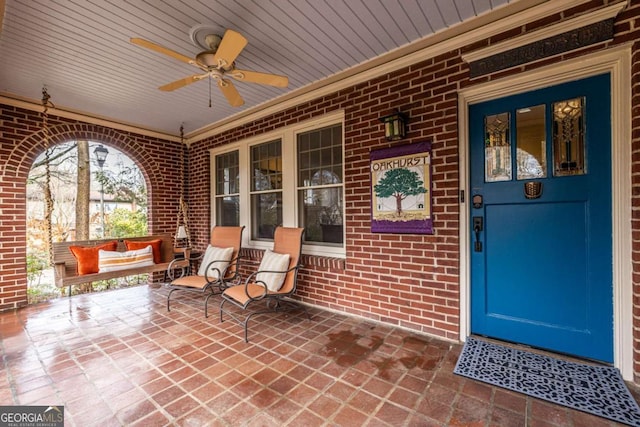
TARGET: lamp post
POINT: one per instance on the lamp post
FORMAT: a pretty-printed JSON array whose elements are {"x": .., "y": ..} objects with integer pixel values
[{"x": 101, "y": 156}]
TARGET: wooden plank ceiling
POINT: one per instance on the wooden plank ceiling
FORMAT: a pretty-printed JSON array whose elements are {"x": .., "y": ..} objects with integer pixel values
[{"x": 81, "y": 50}]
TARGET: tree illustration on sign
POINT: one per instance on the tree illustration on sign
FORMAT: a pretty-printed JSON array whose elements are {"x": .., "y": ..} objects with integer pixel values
[{"x": 399, "y": 183}]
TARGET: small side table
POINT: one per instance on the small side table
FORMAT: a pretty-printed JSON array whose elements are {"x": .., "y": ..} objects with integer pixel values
[{"x": 194, "y": 259}]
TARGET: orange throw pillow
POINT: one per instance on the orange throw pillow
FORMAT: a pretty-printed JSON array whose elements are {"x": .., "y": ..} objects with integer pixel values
[
  {"x": 155, "y": 247},
  {"x": 87, "y": 256}
]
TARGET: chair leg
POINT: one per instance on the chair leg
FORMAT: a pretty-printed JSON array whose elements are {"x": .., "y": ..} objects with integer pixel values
[
  {"x": 221, "y": 304},
  {"x": 246, "y": 326},
  {"x": 206, "y": 305},
  {"x": 168, "y": 298}
]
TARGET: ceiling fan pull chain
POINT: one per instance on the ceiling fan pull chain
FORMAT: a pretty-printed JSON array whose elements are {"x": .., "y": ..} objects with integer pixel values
[{"x": 209, "y": 90}]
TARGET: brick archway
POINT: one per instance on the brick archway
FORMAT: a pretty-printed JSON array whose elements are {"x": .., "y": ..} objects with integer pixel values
[{"x": 156, "y": 158}]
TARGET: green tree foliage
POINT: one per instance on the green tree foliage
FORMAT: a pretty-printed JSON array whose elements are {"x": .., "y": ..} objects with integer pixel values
[
  {"x": 399, "y": 183},
  {"x": 125, "y": 223},
  {"x": 126, "y": 185}
]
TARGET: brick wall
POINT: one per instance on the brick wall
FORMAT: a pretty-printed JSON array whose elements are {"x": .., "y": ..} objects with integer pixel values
[
  {"x": 21, "y": 142},
  {"x": 407, "y": 280}
]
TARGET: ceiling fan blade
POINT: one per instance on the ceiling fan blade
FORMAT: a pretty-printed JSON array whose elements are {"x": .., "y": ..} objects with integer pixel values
[
  {"x": 230, "y": 47},
  {"x": 230, "y": 92},
  {"x": 182, "y": 82},
  {"x": 261, "y": 78},
  {"x": 163, "y": 50}
]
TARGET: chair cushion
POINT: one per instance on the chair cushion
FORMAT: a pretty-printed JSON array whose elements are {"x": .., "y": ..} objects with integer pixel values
[
  {"x": 272, "y": 261},
  {"x": 87, "y": 256},
  {"x": 216, "y": 260},
  {"x": 156, "y": 245},
  {"x": 195, "y": 282},
  {"x": 114, "y": 260}
]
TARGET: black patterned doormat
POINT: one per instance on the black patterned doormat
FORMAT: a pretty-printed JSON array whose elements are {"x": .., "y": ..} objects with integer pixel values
[{"x": 598, "y": 390}]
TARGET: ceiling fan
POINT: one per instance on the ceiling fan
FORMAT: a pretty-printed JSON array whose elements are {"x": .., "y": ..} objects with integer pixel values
[{"x": 217, "y": 63}]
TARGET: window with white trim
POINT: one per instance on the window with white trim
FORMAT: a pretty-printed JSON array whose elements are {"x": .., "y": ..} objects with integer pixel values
[
  {"x": 293, "y": 176},
  {"x": 320, "y": 185},
  {"x": 227, "y": 189},
  {"x": 266, "y": 189}
]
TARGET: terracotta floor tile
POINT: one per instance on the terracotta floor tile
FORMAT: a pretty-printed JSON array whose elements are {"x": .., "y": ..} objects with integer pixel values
[
  {"x": 207, "y": 391},
  {"x": 168, "y": 395},
  {"x": 95, "y": 415},
  {"x": 132, "y": 413},
  {"x": 119, "y": 358},
  {"x": 284, "y": 410},
  {"x": 324, "y": 406},
  {"x": 45, "y": 395},
  {"x": 501, "y": 417},
  {"x": 265, "y": 376},
  {"x": 392, "y": 414},
  {"x": 435, "y": 410},
  {"x": 246, "y": 388},
  {"x": 365, "y": 402},
  {"x": 348, "y": 416},
  {"x": 404, "y": 398},
  {"x": 341, "y": 391},
  {"x": 156, "y": 418},
  {"x": 181, "y": 406}
]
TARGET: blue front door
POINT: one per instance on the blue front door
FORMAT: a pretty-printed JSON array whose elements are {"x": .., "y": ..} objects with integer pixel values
[{"x": 541, "y": 245}]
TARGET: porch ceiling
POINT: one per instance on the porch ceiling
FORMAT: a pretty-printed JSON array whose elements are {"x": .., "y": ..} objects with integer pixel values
[{"x": 81, "y": 51}]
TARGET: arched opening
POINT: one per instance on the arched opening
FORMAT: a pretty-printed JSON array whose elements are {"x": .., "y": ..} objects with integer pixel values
[{"x": 97, "y": 192}]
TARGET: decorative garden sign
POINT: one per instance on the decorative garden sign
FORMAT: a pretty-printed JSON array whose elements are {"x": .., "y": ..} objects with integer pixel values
[{"x": 400, "y": 189}]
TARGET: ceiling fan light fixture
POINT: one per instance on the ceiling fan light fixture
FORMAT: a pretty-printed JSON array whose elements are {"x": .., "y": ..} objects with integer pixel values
[
  {"x": 207, "y": 58},
  {"x": 213, "y": 41},
  {"x": 199, "y": 34},
  {"x": 216, "y": 61}
]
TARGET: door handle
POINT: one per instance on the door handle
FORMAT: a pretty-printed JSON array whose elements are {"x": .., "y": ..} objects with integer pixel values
[{"x": 477, "y": 228}]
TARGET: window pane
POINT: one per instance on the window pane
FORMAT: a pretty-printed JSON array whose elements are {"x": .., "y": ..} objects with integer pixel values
[
  {"x": 266, "y": 188},
  {"x": 266, "y": 214},
  {"x": 320, "y": 162},
  {"x": 321, "y": 214},
  {"x": 266, "y": 163},
  {"x": 227, "y": 173},
  {"x": 531, "y": 145},
  {"x": 228, "y": 211},
  {"x": 497, "y": 148},
  {"x": 568, "y": 137},
  {"x": 227, "y": 201},
  {"x": 320, "y": 185}
]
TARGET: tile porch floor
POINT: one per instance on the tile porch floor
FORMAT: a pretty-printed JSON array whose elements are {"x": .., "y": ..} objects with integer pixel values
[{"x": 119, "y": 358}]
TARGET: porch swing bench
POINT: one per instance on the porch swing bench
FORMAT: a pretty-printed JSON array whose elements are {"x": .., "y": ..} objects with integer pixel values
[{"x": 166, "y": 259}]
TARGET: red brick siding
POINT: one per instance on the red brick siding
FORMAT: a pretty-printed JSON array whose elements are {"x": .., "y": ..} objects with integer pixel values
[
  {"x": 22, "y": 141},
  {"x": 409, "y": 280}
]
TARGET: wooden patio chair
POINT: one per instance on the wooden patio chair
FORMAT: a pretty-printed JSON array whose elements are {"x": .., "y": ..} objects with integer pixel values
[
  {"x": 278, "y": 267},
  {"x": 219, "y": 266}
]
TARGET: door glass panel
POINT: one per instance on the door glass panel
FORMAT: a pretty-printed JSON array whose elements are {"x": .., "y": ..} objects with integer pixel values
[
  {"x": 568, "y": 137},
  {"x": 497, "y": 148},
  {"x": 531, "y": 145}
]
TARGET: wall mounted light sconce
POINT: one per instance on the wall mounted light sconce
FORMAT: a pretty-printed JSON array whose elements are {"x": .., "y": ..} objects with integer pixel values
[{"x": 394, "y": 126}]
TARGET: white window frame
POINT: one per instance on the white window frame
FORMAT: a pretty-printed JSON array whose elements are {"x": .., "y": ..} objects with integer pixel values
[{"x": 288, "y": 136}]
